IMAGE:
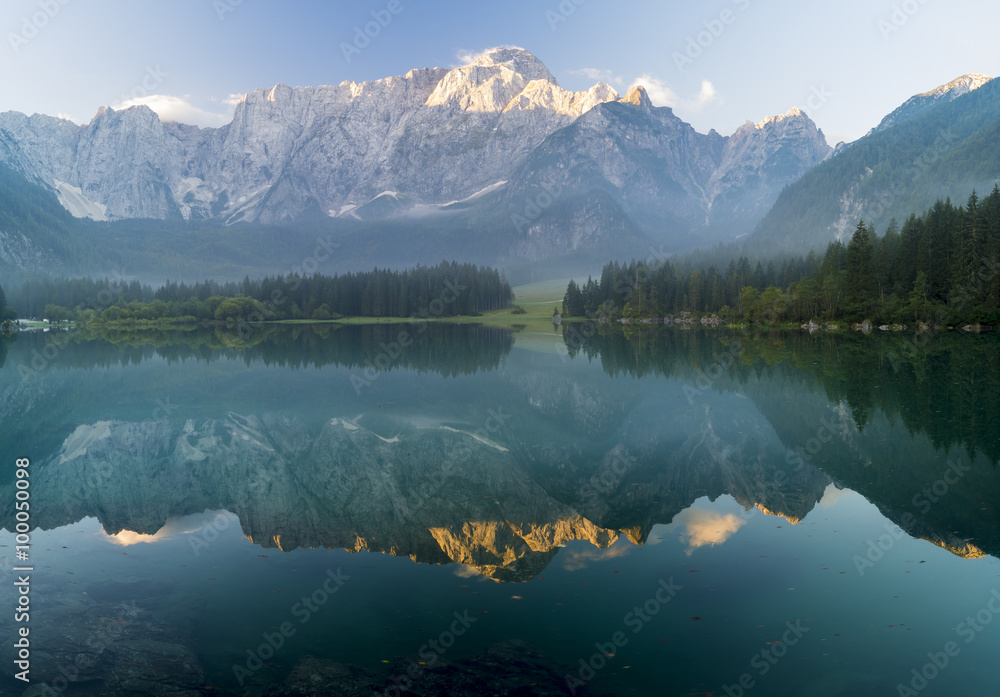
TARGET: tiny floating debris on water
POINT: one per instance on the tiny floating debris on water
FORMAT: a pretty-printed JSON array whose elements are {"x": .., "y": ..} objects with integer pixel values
[{"x": 517, "y": 597}]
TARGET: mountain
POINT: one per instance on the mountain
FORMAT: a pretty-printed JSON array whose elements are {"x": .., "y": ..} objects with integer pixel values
[
  {"x": 465, "y": 149},
  {"x": 492, "y": 162},
  {"x": 437, "y": 135},
  {"x": 676, "y": 186},
  {"x": 37, "y": 233},
  {"x": 918, "y": 104},
  {"x": 940, "y": 144}
]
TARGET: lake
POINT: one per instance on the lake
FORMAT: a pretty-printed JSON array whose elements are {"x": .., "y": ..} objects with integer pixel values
[{"x": 599, "y": 510}]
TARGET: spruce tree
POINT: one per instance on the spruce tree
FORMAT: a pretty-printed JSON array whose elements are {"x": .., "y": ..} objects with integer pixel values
[
  {"x": 860, "y": 281},
  {"x": 6, "y": 312}
]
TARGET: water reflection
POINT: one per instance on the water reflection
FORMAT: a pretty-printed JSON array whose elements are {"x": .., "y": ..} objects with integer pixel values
[
  {"x": 448, "y": 350},
  {"x": 501, "y": 478},
  {"x": 543, "y": 491}
]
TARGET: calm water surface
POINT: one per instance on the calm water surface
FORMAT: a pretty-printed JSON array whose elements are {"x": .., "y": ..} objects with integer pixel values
[{"x": 657, "y": 512}]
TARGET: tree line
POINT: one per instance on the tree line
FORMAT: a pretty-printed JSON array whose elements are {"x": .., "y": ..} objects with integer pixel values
[
  {"x": 446, "y": 290},
  {"x": 7, "y": 313},
  {"x": 941, "y": 267}
]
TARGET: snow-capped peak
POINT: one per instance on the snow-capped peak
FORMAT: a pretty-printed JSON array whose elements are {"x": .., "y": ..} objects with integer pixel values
[
  {"x": 960, "y": 85},
  {"x": 919, "y": 103},
  {"x": 794, "y": 111},
  {"x": 514, "y": 58}
]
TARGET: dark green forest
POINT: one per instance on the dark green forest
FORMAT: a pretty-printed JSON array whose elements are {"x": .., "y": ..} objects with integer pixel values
[
  {"x": 446, "y": 290},
  {"x": 7, "y": 312},
  {"x": 30, "y": 213},
  {"x": 941, "y": 267}
]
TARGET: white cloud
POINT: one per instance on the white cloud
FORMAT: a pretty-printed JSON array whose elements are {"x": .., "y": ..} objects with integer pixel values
[
  {"x": 170, "y": 108},
  {"x": 581, "y": 558},
  {"x": 706, "y": 95},
  {"x": 832, "y": 494},
  {"x": 186, "y": 525},
  {"x": 700, "y": 527},
  {"x": 465, "y": 571},
  {"x": 658, "y": 92},
  {"x": 661, "y": 95},
  {"x": 233, "y": 99}
]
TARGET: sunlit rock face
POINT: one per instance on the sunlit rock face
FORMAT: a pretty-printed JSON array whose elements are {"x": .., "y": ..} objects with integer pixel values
[
  {"x": 432, "y": 141},
  {"x": 434, "y": 495},
  {"x": 437, "y": 492},
  {"x": 438, "y": 135}
]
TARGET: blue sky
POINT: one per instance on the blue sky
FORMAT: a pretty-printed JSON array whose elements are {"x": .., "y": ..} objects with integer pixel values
[{"x": 718, "y": 63}]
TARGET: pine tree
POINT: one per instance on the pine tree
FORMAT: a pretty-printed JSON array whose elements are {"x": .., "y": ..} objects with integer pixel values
[
  {"x": 918, "y": 297},
  {"x": 6, "y": 312},
  {"x": 860, "y": 257},
  {"x": 573, "y": 305}
]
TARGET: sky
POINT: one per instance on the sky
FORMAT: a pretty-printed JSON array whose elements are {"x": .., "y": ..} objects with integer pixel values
[{"x": 718, "y": 64}]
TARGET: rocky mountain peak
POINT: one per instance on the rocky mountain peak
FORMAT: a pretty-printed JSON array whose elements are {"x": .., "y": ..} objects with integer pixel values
[
  {"x": 919, "y": 103},
  {"x": 140, "y": 113},
  {"x": 278, "y": 92},
  {"x": 959, "y": 86},
  {"x": 637, "y": 96},
  {"x": 792, "y": 113},
  {"x": 490, "y": 82},
  {"x": 517, "y": 60},
  {"x": 434, "y": 135}
]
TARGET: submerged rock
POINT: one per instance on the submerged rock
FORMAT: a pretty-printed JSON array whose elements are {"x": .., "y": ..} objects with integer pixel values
[
  {"x": 507, "y": 668},
  {"x": 124, "y": 591},
  {"x": 109, "y": 650}
]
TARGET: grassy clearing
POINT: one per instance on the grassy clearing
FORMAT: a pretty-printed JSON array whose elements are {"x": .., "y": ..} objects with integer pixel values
[
  {"x": 535, "y": 330},
  {"x": 537, "y": 299}
]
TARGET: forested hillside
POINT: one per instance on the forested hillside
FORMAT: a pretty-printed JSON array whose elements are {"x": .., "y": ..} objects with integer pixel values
[
  {"x": 941, "y": 266},
  {"x": 948, "y": 150}
]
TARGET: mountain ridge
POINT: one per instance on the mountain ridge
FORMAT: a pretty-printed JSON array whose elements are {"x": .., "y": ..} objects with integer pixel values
[
  {"x": 443, "y": 142},
  {"x": 947, "y": 149},
  {"x": 473, "y": 153}
]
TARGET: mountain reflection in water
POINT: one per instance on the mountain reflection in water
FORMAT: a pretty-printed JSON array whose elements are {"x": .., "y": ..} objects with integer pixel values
[{"x": 486, "y": 462}]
